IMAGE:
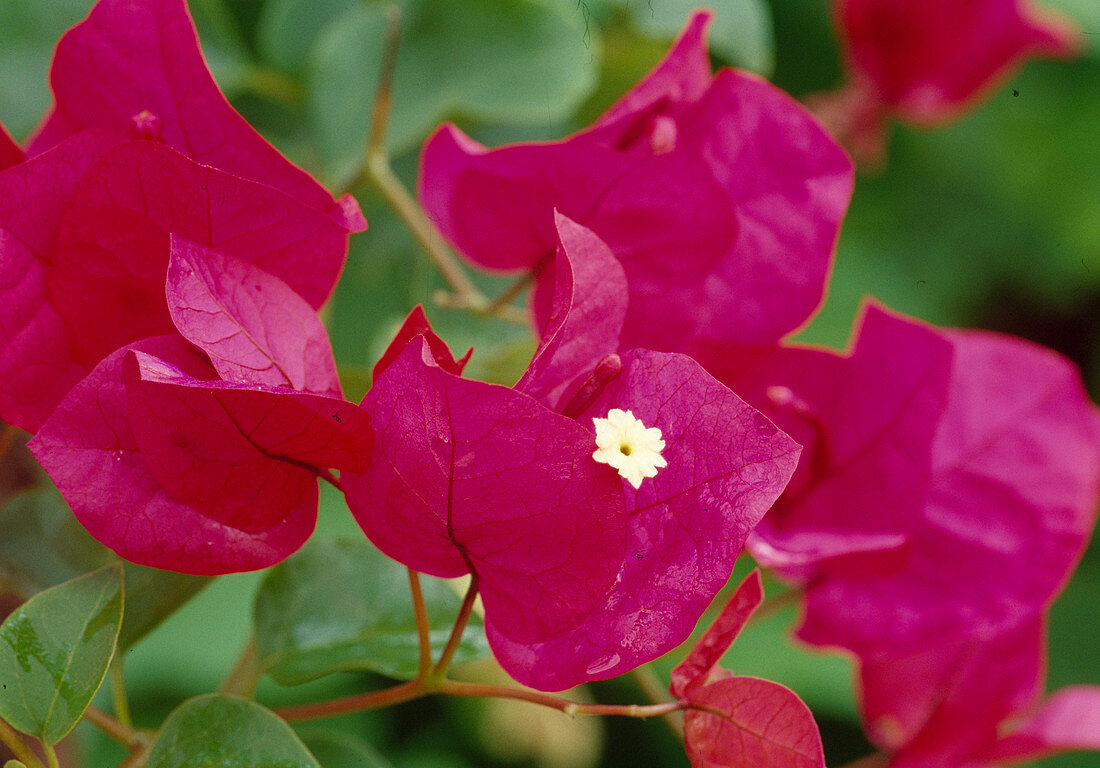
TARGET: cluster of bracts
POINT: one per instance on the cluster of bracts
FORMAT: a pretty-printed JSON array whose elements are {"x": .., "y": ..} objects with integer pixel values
[{"x": 929, "y": 491}]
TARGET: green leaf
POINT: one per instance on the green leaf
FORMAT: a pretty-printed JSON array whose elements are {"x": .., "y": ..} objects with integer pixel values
[
  {"x": 1086, "y": 15},
  {"x": 17, "y": 764},
  {"x": 741, "y": 32},
  {"x": 336, "y": 749},
  {"x": 54, "y": 652},
  {"x": 288, "y": 30},
  {"x": 43, "y": 545},
  {"x": 227, "y": 732},
  {"x": 340, "y": 604},
  {"x": 222, "y": 45},
  {"x": 518, "y": 61}
]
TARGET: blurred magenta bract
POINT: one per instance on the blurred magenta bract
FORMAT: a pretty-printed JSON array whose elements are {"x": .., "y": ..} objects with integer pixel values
[{"x": 721, "y": 196}]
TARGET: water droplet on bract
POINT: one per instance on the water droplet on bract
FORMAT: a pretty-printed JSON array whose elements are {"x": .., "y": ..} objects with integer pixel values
[{"x": 602, "y": 665}]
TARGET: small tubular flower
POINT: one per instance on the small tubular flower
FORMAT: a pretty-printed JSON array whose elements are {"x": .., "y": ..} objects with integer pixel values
[{"x": 626, "y": 444}]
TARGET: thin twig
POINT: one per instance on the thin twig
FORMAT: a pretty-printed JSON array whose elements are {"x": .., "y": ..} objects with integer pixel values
[
  {"x": 118, "y": 693},
  {"x": 18, "y": 747},
  {"x": 571, "y": 708},
  {"x": 654, "y": 690},
  {"x": 245, "y": 674},
  {"x": 413, "y": 689},
  {"x": 455, "y": 639},
  {"x": 124, "y": 734},
  {"x": 51, "y": 755},
  {"x": 421, "y": 612},
  {"x": 873, "y": 760},
  {"x": 376, "y": 168}
]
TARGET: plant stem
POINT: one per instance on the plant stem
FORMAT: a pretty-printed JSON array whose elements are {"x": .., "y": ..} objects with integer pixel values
[
  {"x": 124, "y": 734},
  {"x": 18, "y": 747},
  {"x": 7, "y": 439},
  {"x": 376, "y": 168},
  {"x": 118, "y": 694},
  {"x": 398, "y": 694},
  {"x": 654, "y": 690},
  {"x": 571, "y": 708},
  {"x": 456, "y": 633},
  {"x": 421, "y": 612},
  {"x": 874, "y": 760},
  {"x": 51, "y": 755},
  {"x": 245, "y": 674}
]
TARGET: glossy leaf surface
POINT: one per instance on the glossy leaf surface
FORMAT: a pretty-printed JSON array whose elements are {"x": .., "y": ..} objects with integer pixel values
[
  {"x": 340, "y": 605},
  {"x": 54, "y": 653}
]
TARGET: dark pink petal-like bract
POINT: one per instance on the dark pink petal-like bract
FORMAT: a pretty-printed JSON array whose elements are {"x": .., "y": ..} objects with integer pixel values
[
  {"x": 416, "y": 324},
  {"x": 475, "y": 477},
  {"x": 586, "y": 316},
  {"x": 726, "y": 465},
  {"x": 1010, "y": 504},
  {"x": 10, "y": 153},
  {"x": 251, "y": 324},
  {"x": 172, "y": 468},
  {"x": 136, "y": 65},
  {"x": 927, "y": 61},
  {"x": 721, "y": 198}
]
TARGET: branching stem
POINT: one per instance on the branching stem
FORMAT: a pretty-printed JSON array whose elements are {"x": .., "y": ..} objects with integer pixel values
[
  {"x": 118, "y": 694},
  {"x": 421, "y": 612},
  {"x": 242, "y": 679},
  {"x": 124, "y": 734},
  {"x": 455, "y": 639},
  {"x": 18, "y": 747},
  {"x": 376, "y": 168}
]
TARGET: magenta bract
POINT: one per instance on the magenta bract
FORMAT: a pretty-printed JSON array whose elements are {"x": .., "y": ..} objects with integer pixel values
[
  {"x": 10, "y": 153},
  {"x": 476, "y": 477},
  {"x": 91, "y": 220},
  {"x": 172, "y": 468},
  {"x": 585, "y": 318},
  {"x": 416, "y": 324},
  {"x": 735, "y": 721},
  {"x": 927, "y": 61},
  {"x": 976, "y": 701},
  {"x": 135, "y": 66},
  {"x": 721, "y": 197},
  {"x": 252, "y": 325},
  {"x": 726, "y": 466}
]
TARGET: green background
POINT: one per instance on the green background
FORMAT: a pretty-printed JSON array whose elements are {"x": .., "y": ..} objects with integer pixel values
[{"x": 992, "y": 222}]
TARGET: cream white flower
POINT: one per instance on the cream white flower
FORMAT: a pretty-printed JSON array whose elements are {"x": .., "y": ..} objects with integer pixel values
[{"x": 625, "y": 443}]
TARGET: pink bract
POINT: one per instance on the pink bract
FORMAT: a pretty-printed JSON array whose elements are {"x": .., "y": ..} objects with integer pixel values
[
  {"x": 928, "y": 60},
  {"x": 585, "y": 318},
  {"x": 416, "y": 324},
  {"x": 1010, "y": 504},
  {"x": 252, "y": 325},
  {"x": 136, "y": 65},
  {"x": 722, "y": 198},
  {"x": 976, "y": 701},
  {"x": 174, "y": 469},
  {"x": 726, "y": 466},
  {"x": 740, "y": 721},
  {"x": 87, "y": 253},
  {"x": 10, "y": 153},
  {"x": 475, "y": 477}
]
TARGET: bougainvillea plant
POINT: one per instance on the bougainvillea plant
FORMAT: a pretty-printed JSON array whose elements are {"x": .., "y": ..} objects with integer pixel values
[{"x": 163, "y": 275}]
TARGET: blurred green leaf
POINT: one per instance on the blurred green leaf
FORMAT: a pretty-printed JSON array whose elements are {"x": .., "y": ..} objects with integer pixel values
[
  {"x": 341, "y": 605},
  {"x": 55, "y": 651},
  {"x": 226, "y": 732},
  {"x": 336, "y": 749},
  {"x": 288, "y": 30},
  {"x": 17, "y": 764},
  {"x": 225, "y": 51},
  {"x": 505, "y": 60},
  {"x": 43, "y": 545},
  {"x": 29, "y": 29},
  {"x": 741, "y": 32},
  {"x": 1086, "y": 14}
]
